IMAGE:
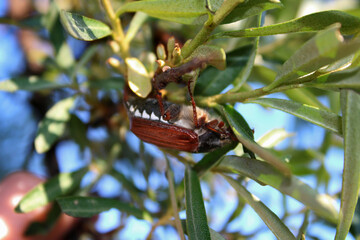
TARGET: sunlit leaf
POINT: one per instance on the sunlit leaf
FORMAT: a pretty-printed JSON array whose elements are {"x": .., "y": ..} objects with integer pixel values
[
  {"x": 138, "y": 77},
  {"x": 53, "y": 125},
  {"x": 85, "y": 207},
  {"x": 262, "y": 172},
  {"x": 273, "y": 137},
  {"x": 350, "y": 106},
  {"x": 186, "y": 11},
  {"x": 29, "y": 83},
  {"x": 84, "y": 28},
  {"x": 320, "y": 117},
  {"x": 269, "y": 218},
  {"x": 309, "y": 23},
  {"x": 196, "y": 221},
  {"x": 326, "y": 47},
  {"x": 46, "y": 192}
]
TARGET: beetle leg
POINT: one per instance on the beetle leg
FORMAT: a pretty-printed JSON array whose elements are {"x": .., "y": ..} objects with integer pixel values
[
  {"x": 193, "y": 105},
  {"x": 161, "y": 105}
]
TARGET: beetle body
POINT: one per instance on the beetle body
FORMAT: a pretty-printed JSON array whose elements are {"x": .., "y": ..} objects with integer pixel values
[{"x": 176, "y": 128}]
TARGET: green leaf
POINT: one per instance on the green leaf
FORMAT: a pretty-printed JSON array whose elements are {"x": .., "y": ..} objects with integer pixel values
[
  {"x": 262, "y": 172},
  {"x": 350, "y": 106},
  {"x": 53, "y": 125},
  {"x": 45, "y": 226},
  {"x": 269, "y": 218},
  {"x": 78, "y": 131},
  {"x": 251, "y": 8},
  {"x": 213, "y": 234},
  {"x": 302, "y": 95},
  {"x": 136, "y": 22},
  {"x": 185, "y": 11},
  {"x": 112, "y": 83},
  {"x": 46, "y": 192},
  {"x": 85, "y": 207},
  {"x": 245, "y": 137},
  {"x": 212, "y": 81},
  {"x": 84, "y": 28},
  {"x": 29, "y": 83},
  {"x": 196, "y": 221},
  {"x": 211, "y": 159},
  {"x": 244, "y": 75},
  {"x": 345, "y": 79},
  {"x": 138, "y": 77},
  {"x": 237, "y": 121},
  {"x": 315, "y": 115},
  {"x": 309, "y": 23},
  {"x": 325, "y": 48},
  {"x": 213, "y": 55},
  {"x": 51, "y": 21}
]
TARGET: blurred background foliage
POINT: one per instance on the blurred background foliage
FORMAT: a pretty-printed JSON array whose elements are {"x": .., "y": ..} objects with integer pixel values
[{"x": 35, "y": 47}]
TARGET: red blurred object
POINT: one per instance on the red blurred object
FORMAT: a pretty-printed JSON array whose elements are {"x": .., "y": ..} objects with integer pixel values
[{"x": 12, "y": 224}]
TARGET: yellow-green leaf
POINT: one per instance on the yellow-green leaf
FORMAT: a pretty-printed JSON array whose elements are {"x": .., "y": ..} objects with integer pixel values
[
  {"x": 138, "y": 77},
  {"x": 53, "y": 125}
]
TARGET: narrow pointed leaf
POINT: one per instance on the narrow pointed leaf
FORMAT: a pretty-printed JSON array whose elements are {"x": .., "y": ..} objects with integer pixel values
[
  {"x": 245, "y": 137},
  {"x": 84, "y": 28},
  {"x": 196, "y": 221},
  {"x": 262, "y": 172},
  {"x": 350, "y": 106},
  {"x": 309, "y": 23},
  {"x": 325, "y": 48},
  {"x": 136, "y": 22},
  {"x": 315, "y": 115},
  {"x": 185, "y": 11},
  {"x": 344, "y": 79},
  {"x": 53, "y": 125},
  {"x": 77, "y": 206},
  {"x": 269, "y": 218},
  {"x": 46, "y": 192},
  {"x": 251, "y": 8},
  {"x": 213, "y": 234},
  {"x": 211, "y": 159},
  {"x": 29, "y": 83}
]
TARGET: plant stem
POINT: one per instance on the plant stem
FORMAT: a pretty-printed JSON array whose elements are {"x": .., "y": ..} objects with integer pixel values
[
  {"x": 118, "y": 33},
  {"x": 212, "y": 22},
  {"x": 170, "y": 177}
]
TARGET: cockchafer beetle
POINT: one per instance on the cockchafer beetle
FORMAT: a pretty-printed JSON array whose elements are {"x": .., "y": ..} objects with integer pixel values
[
  {"x": 169, "y": 125},
  {"x": 176, "y": 128}
]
